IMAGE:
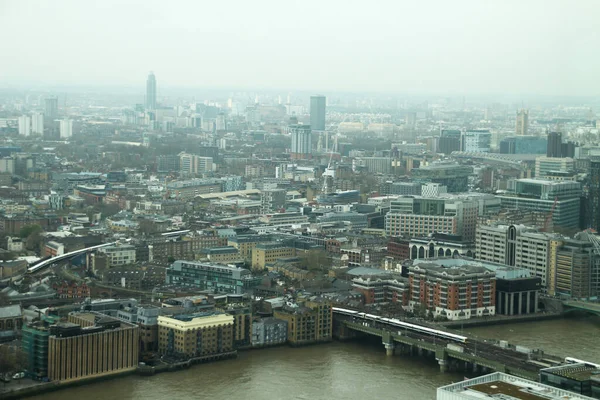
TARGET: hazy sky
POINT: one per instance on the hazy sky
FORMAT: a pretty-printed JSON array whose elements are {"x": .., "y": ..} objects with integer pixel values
[{"x": 448, "y": 46}]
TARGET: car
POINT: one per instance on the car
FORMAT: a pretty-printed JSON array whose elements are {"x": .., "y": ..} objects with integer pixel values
[{"x": 19, "y": 375}]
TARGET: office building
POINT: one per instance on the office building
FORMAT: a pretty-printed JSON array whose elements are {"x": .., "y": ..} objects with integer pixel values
[
  {"x": 354, "y": 219},
  {"x": 560, "y": 200},
  {"x": 78, "y": 349},
  {"x": 452, "y": 175},
  {"x": 401, "y": 188},
  {"x": 592, "y": 216},
  {"x": 580, "y": 378},
  {"x": 269, "y": 332},
  {"x": 476, "y": 141},
  {"x": 545, "y": 166},
  {"x": 242, "y": 323},
  {"x": 51, "y": 108},
  {"x": 119, "y": 254},
  {"x": 284, "y": 218},
  {"x": 151, "y": 92},
  {"x": 421, "y": 216},
  {"x": 576, "y": 268},
  {"x": 195, "y": 335},
  {"x": 301, "y": 142},
  {"x": 381, "y": 288},
  {"x": 307, "y": 323},
  {"x": 499, "y": 385},
  {"x": 191, "y": 188},
  {"x": 376, "y": 165},
  {"x": 24, "y": 125},
  {"x": 522, "y": 126},
  {"x": 516, "y": 246},
  {"x": 457, "y": 292},
  {"x": 207, "y": 276},
  {"x": 554, "y": 148},
  {"x": 266, "y": 253},
  {"x": 168, "y": 163},
  {"x": 517, "y": 291},
  {"x": 66, "y": 128},
  {"x": 449, "y": 141},
  {"x": 318, "y": 104},
  {"x": 37, "y": 123},
  {"x": 523, "y": 145},
  {"x": 7, "y": 165},
  {"x": 192, "y": 164},
  {"x": 272, "y": 200},
  {"x": 247, "y": 243}
]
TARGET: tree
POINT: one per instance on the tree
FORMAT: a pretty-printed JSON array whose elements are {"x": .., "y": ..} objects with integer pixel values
[
  {"x": 27, "y": 230},
  {"x": 315, "y": 260},
  {"x": 34, "y": 241},
  {"x": 12, "y": 359}
]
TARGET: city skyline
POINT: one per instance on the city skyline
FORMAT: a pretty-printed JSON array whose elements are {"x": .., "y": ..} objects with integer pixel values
[{"x": 461, "y": 48}]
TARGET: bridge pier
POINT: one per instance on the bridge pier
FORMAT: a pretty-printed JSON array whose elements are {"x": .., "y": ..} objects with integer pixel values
[
  {"x": 443, "y": 365},
  {"x": 389, "y": 349}
]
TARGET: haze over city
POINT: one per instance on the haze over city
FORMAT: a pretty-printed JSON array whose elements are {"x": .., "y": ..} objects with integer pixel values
[
  {"x": 319, "y": 200},
  {"x": 439, "y": 47}
]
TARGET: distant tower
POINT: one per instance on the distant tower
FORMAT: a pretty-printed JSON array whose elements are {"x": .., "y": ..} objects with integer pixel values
[
  {"x": 66, "y": 128},
  {"x": 24, "y": 125},
  {"x": 37, "y": 123},
  {"x": 522, "y": 122},
  {"x": 317, "y": 112},
  {"x": 301, "y": 142},
  {"x": 51, "y": 107},
  {"x": 151, "y": 92},
  {"x": 593, "y": 214},
  {"x": 554, "y": 148}
]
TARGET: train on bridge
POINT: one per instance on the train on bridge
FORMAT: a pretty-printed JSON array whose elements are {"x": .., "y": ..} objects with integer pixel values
[{"x": 401, "y": 324}]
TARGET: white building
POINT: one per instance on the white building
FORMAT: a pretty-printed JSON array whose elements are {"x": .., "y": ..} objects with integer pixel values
[
  {"x": 66, "y": 128},
  {"x": 546, "y": 165},
  {"x": 37, "y": 123},
  {"x": 119, "y": 255},
  {"x": 433, "y": 190},
  {"x": 24, "y": 125},
  {"x": 499, "y": 385},
  {"x": 7, "y": 164},
  {"x": 517, "y": 246},
  {"x": 194, "y": 164},
  {"x": 476, "y": 140}
]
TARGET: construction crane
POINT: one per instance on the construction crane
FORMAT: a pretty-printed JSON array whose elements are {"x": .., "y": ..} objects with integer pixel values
[{"x": 550, "y": 215}]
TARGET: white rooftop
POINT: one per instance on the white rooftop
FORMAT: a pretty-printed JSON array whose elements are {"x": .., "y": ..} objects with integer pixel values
[{"x": 506, "y": 387}]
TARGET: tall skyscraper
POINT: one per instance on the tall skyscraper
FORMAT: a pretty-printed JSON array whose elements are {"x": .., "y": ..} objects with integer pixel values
[
  {"x": 37, "y": 123},
  {"x": 301, "y": 142},
  {"x": 151, "y": 92},
  {"x": 593, "y": 207},
  {"x": 554, "y": 145},
  {"x": 522, "y": 122},
  {"x": 51, "y": 107},
  {"x": 318, "y": 104},
  {"x": 449, "y": 141},
  {"x": 24, "y": 125},
  {"x": 66, "y": 128}
]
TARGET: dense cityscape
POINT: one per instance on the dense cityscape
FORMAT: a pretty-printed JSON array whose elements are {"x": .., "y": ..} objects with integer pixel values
[{"x": 150, "y": 232}]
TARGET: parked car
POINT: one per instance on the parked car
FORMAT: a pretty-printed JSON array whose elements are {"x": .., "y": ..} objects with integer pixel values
[{"x": 19, "y": 375}]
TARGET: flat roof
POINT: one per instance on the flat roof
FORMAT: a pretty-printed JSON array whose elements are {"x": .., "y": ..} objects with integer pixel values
[
  {"x": 578, "y": 372},
  {"x": 503, "y": 386}
]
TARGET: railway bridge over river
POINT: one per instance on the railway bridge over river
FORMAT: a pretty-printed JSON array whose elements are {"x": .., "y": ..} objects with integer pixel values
[{"x": 452, "y": 351}]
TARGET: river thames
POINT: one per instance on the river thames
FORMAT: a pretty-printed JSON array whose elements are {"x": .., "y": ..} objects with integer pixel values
[{"x": 332, "y": 371}]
